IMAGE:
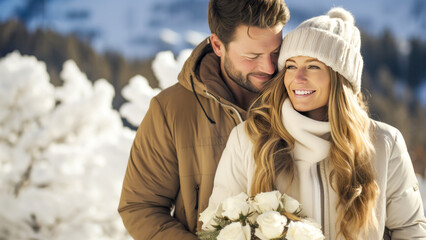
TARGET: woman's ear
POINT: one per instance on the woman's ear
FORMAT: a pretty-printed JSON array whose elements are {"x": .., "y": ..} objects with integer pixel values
[{"x": 217, "y": 45}]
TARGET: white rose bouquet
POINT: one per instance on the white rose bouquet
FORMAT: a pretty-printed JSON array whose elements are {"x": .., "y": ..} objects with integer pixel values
[{"x": 267, "y": 216}]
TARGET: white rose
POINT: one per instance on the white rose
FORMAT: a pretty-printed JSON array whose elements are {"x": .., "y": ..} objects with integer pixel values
[
  {"x": 303, "y": 231},
  {"x": 312, "y": 222},
  {"x": 291, "y": 205},
  {"x": 207, "y": 217},
  {"x": 235, "y": 231},
  {"x": 267, "y": 201},
  {"x": 271, "y": 225},
  {"x": 232, "y": 207}
]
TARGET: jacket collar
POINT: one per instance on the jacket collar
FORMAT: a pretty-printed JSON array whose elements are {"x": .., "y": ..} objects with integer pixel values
[
  {"x": 191, "y": 67},
  {"x": 203, "y": 66}
]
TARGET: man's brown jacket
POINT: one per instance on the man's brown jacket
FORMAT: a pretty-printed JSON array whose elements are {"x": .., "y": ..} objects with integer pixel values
[{"x": 176, "y": 150}]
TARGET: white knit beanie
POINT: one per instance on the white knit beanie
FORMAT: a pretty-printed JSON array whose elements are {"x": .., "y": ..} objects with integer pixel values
[{"x": 333, "y": 39}]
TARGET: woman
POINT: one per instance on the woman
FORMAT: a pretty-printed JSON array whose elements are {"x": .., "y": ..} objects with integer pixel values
[{"x": 309, "y": 135}]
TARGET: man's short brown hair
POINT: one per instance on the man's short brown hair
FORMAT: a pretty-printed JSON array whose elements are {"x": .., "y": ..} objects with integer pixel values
[{"x": 224, "y": 16}]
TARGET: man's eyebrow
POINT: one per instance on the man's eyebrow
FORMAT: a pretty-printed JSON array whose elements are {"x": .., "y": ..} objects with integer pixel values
[{"x": 256, "y": 53}]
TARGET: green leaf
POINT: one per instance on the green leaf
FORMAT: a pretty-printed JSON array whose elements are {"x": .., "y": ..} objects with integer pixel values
[{"x": 208, "y": 235}]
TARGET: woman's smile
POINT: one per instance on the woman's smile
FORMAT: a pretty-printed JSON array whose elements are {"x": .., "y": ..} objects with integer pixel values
[{"x": 303, "y": 93}]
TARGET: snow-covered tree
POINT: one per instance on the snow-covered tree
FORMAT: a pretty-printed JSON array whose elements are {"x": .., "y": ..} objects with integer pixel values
[
  {"x": 166, "y": 68},
  {"x": 138, "y": 93},
  {"x": 63, "y": 153},
  {"x": 63, "y": 150}
]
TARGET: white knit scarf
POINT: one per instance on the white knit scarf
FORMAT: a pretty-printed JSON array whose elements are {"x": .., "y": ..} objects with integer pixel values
[{"x": 310, "y": 148}]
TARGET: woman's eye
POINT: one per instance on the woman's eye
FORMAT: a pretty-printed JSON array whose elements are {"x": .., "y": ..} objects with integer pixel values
[
  {"x": 290, "y": 67},
  {"x": 313, "y": 67}
]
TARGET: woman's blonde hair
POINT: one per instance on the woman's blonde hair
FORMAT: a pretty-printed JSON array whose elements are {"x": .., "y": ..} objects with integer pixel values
[{"x": 351, "y": 150}]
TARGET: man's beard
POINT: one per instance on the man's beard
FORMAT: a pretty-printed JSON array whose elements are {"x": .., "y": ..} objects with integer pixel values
[{"x": 237, "y": 77}]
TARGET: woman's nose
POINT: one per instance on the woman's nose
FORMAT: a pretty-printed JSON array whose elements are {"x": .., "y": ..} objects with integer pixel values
[{"x": 300, "y": 74}]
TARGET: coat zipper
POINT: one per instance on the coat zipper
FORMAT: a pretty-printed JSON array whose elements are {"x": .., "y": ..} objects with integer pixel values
[
  {"x": 322, "y": 196},
  {"x": 221, "y": 103},
  {"x": 197, "y": 191},
  {"x": 199, "y": 102}
]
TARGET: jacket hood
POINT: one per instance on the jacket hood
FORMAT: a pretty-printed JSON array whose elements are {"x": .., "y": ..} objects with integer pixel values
[{"x": 203, "y": 68}]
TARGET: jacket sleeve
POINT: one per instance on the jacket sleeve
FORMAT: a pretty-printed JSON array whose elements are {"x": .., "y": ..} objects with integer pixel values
[
  {"x": 404, "y": 212},
  {"x": 151, "y": 182},
  {"x": 231, "y": 176}
]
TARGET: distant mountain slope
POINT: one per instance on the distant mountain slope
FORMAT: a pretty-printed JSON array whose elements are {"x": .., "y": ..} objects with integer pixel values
[{"x": 139, "y": 29}]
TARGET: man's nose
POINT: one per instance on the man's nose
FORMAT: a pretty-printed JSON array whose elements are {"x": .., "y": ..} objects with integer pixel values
[{"x": 268, "y": 65}]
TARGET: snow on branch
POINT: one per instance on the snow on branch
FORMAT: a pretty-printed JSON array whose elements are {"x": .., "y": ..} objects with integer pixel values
[{"x": 63, "y": 154}]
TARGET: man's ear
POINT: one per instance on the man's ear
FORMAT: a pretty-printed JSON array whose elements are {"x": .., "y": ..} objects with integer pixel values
[{"x": 217, "y": 45}]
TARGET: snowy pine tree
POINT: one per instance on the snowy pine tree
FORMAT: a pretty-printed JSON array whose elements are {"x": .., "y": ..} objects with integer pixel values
[
  {"x": 64, "y": 150},
  {"x": 63, "y": 154}
]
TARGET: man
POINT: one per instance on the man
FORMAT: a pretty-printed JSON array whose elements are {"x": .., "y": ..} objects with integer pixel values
[{"x": 177, "y": 147}]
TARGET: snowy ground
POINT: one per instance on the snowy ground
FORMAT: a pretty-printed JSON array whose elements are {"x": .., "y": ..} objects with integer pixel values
[{"x": 64, "y": 149}]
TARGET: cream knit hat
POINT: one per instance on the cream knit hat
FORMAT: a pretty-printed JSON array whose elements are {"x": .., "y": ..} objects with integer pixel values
[{"x": 333, "y": 39}]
